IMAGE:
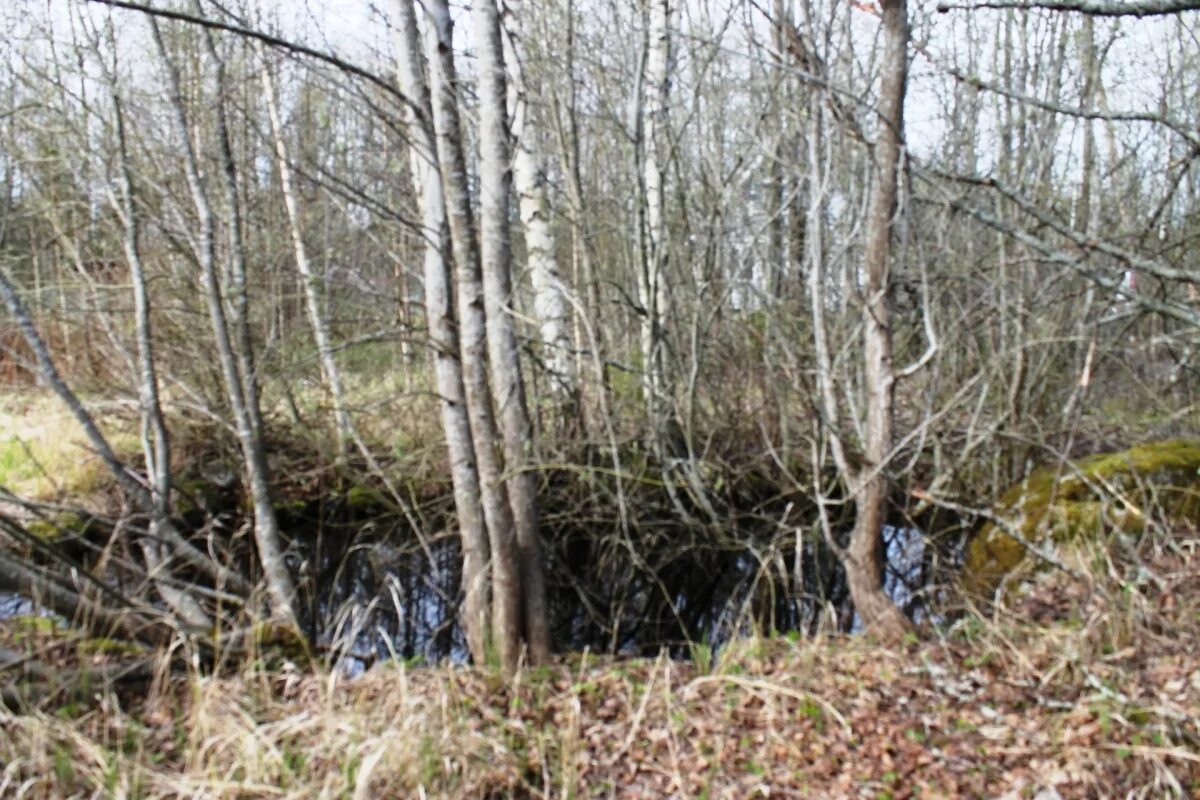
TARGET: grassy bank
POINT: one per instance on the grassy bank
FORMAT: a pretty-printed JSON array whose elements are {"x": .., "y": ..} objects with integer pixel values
[{"x": 1086, "y": 688}]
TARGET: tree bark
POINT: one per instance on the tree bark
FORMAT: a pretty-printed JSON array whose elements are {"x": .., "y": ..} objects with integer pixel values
[
  {"x": 281, "y": 589},
  {"x": 472, "y": 320},
  {"x": 495, "y": 187},
  {"x": 156, "y": 443},
  {"x": 1093, "y": 8},
  {"x": 529, "y": 178},
  {"x": 864, "y": 556},
  {"x": 440, "y": 320},
  {"x": 652, "y": 289}
]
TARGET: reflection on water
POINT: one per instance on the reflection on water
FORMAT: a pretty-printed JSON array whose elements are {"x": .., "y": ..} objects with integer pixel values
[
  {"x": 14, "y": 605},
  {"x": 390, "y": 603},
  {"x": 374, "y": 594},
  {"x": 906, "y": 575}
]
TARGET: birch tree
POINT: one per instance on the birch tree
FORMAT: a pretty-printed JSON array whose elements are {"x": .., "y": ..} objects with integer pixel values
[
  {"x": 440, "y": 321},
  {"x": 473, "y": 335},
  {"x": 653, "y": 294},
  {"x": 550, "y": 293},
  {"x": 503, "y": 354}
]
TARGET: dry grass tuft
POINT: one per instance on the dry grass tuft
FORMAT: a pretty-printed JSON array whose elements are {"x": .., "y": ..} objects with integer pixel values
[{"x": 1084, "y": 688}]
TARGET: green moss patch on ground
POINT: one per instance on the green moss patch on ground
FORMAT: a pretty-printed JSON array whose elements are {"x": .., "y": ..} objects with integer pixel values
[{"x": 1121, "y": 491}]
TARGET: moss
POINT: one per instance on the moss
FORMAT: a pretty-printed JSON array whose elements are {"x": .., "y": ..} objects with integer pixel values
[
  {"x": 364, "y": 497},
  {"x": 112, "y": 647},
  {"x": 43, "y": 529},
  {"x": 29, "y": 628},
  {"x": 187, "y": 493},
  {"x": 291, "y": 507},
  {"x": 66, "y": 523},
  {"x": 203, "y": 494},
  {"x": 24, "y": 627},
  {"x": 1106, "y": 492},
  {"x": 626, "y": 384}
]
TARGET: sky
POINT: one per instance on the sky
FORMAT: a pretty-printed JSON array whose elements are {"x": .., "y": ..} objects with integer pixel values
[{"x": 1139, "y": 49}]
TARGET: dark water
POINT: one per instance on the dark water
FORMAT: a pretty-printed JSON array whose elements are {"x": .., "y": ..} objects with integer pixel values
[
  {"x": 374, "y": 592},
  {"x": 382, "y": 601},
  {"x": 14, "y": 605}
]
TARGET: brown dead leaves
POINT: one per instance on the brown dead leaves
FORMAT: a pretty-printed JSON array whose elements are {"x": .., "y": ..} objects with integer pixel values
[{"x": 1099, "y": 698}]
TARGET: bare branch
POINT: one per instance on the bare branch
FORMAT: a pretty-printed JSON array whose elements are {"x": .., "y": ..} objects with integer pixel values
[
  {"x": 1092, "y": 8},
  {"x": 1079, "y": 261},
  {"x": 386, "y": 84},
  {"x": 977, "y": 82}
]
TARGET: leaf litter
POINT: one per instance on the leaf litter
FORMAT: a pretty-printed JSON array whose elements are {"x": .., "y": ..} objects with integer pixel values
[{"x": 1067, "y": 693}]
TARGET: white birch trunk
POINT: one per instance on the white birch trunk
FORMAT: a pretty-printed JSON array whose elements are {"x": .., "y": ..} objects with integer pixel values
[
  {"x": 652, "y": 288},
  {"x": 440, "y": 320},
  {"x": 495, "y": 186},
  {"x": 550, "y": 294},
  {"x": 472, "y": 332}
]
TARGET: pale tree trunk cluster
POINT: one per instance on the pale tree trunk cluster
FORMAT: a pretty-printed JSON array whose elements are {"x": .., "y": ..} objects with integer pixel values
[
  {"x": 510, "y": 577},
  {"x": 443, "y": 332}
]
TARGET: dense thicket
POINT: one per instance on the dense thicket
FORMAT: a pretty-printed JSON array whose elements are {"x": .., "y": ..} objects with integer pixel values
[{"x": 712, "y": 288}]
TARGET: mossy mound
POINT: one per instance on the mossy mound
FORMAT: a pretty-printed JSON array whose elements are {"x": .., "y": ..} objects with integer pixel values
[
  {"x": 67, "y": 523},
  {"x": 1107, "y": 492}
]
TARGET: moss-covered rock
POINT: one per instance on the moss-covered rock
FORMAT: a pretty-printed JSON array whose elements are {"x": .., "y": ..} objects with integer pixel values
[
  {"x": 274, "y": 640},
  {"x": 1107, "y": 492}
]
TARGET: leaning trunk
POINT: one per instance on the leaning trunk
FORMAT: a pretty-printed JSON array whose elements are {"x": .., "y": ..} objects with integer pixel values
[
  {"x": 280, "y": 587},
  {"x": 129, "y": 482},
  {"x": 156, "y": 444}
]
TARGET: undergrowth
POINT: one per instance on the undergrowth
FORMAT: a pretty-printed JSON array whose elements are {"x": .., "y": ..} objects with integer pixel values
[{"x": 1085, "y": 685}]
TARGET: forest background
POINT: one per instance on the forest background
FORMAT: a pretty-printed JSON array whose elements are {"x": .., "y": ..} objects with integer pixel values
[{"x": 494, "y": 332}]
